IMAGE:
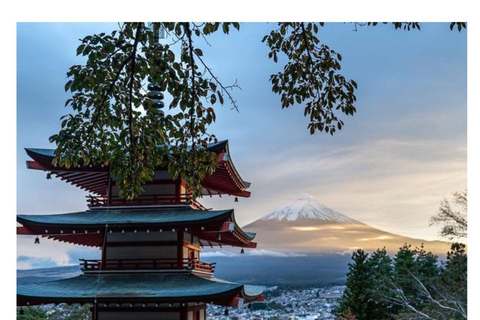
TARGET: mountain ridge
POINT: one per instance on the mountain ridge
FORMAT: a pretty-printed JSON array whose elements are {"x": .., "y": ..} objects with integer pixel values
[{"x": 304, "y": 225}]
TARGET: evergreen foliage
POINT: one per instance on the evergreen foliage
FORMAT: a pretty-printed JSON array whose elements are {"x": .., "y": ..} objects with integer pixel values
[
  {"x": 412, "y": 285},
  {"x": 357, "y": 297},
  {"x": 404, "y": 267},
  {"x": 381, "y": 267}
]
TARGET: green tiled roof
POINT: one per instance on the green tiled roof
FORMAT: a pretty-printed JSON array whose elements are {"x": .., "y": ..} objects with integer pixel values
[
  {"x": 154, "y": 287},
  {"x": 115, "y": 217}
]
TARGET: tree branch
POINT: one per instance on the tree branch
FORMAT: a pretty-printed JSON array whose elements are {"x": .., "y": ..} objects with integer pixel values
[
  {"x": 105, "y": 96},
  {"x": 132, "y": 79},
  {"x": 224, "y": 89},
  {"x": 192, "y": 70}
]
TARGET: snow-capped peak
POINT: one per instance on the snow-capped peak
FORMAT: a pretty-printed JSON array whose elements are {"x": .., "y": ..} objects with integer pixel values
[{"x": 306, "y": 207}]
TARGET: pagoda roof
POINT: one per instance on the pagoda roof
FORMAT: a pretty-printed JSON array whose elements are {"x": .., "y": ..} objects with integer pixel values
[
  {"x": 88, "y": 227},
  {"x": 131, "y": 217},
  {"x": 94, "y": 179},
  {"x": 136, "y": 288}
]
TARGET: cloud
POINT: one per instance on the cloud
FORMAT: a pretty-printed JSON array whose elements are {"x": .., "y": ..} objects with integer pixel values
[
  {"x": 208, "y": 254},
  {"x": 27, "y": 262},
  {"x": 327, "y": 227},
  {"x": 375, "y": 238},
  {"x": 253, "y": 252},
  {"x": 48, "y": 249},
  {"x": 83, "y": 253},
  {"x": 267, "y": 253}
]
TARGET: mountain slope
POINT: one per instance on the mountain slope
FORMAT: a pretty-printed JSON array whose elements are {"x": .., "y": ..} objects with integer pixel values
[
  {"x": 307, "y": 226},
  {"x": 306, "y": 207}
]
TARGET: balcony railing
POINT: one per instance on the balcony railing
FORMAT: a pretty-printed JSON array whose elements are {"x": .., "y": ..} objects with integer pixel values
[
  {"x": 147, "y": 264},
  {"x": 100, "y": 201}
]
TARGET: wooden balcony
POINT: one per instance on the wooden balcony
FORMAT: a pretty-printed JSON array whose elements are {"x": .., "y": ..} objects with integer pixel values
[
  {"x": 160, "y": 200},
  {"x": 148, "y": 264}
]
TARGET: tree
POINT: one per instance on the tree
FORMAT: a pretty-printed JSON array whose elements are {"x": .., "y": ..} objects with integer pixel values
[
  {"x": 380, "y": 264},
  {"x": 381, "y": 268},
  {"x": 404, "y": 267},
  {"x": 415, "y": 285},
  {"x": 421, "y": 289},
  {"x": 453, "y": 221},
  {"x": 71, "y": 312},
  {"x": 443, "y": 296},
  {"x": 454, "y": 281},
  {"x": 108, "y": 98},
  {"x": 357, "y": 297},
  {"x": 455, "y": 268},
  {"x": 115, "y": 121},
  {"x": 31, "y": 313},
  {"x": 426, "y": 264}
]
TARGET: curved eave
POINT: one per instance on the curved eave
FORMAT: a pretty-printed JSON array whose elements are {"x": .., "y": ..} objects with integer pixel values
[
  {"x": 136, "y": 288},
  {"x": 88, "y": 227},
  {"x": 226, "y": 178},
  {"x": 246, "y": 235},
  {"x": 233, "y": 171},
  {"x": 230, "y": 234},
  {"x": 94, "y": 179}
]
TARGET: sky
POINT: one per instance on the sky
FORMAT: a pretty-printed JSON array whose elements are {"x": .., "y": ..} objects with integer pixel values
[{"x": 390, "y": 166}]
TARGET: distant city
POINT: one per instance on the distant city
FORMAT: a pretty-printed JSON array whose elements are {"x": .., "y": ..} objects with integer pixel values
[{"x": 284, "y": 303}]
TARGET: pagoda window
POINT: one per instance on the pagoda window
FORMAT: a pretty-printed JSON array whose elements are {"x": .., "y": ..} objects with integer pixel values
[
  {"x": 196, "y": 241},
  {"x": 142, "y": 252},
  {"x": 153, "y": 189},
  {"x": 162, "y": 175},
  {"x": 162, "y": 190},
  {"x": 142, "y": 245},
  {"x": 187, "y": 237}
]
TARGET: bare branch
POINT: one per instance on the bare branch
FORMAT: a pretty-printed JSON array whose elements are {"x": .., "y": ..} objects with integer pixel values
[{"x": 224, "y": 89}]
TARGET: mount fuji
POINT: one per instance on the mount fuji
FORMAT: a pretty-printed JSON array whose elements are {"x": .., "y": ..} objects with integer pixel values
[
  {"x": 304, "y": 225},
  {"x": 306, "y": 207}
]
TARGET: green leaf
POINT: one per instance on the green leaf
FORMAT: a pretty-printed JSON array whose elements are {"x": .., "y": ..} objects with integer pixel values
[
  {"x": 80, "y": 49},
  {"x": 220, "y": 97},
  {"x": 225, "y": 28}
]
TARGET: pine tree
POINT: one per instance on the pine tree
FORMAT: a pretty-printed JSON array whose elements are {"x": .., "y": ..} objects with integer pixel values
[
  {"x": 404, "y": 267},
  {"x": 455, "y": 267},
  {"x": 381, "y": 267},
  {"x": 426, "y": 267},
  {"x": 357, "y": 297},
  {"x": 453, "y": 281}
]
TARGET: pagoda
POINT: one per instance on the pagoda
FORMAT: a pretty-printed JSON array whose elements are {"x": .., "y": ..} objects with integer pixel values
[{"x": 150, "y": 266}]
